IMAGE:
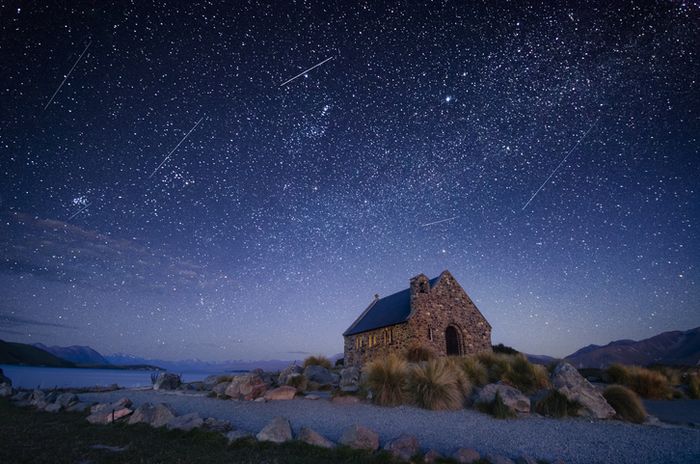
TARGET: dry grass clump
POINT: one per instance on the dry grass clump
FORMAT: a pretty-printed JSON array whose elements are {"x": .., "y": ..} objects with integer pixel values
[
  {"x": 474, "y": 370},
  {"x": 435, "y": 385},
  {"x": 386, "y": 378},
  {"x": 317, "y": 361},
  {"x": 556, "y": 404},
  {"x": 497, "y": 365},
  {"x": 625, "y": 403},
  {"x": 419, "y": 353},
  {"x": 497, "y": 408},
  {"x": 298, "y": 381},
  {"x": 645, "y": 382},
  {"x": 694, "y": 386},
  {"x": 526, "y": 376},
  {"x": 463, "y": 381}
]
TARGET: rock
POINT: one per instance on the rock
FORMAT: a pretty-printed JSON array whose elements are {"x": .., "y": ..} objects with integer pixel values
[
  {"x": 259, "y": 400},
  {"x": 246, "y": 387},
  {"x": 67, "y": 399},
  {"x": 359, "y": 437},
  {"x": 281, "y": 393},
  {"x": 466, "y": 455},
  {"x": 154, "y": 415},
  {"x": 287, "y": 372},
  {"x": 312, "y": 437},
  {"x": 167, "y": 381},
  {"x": 403, "y": 447},
  {"x": 498, "y": 459},
  {"x": 53, "y": 407},
  {"x": 525, "y": 459},
  {"x": 21, "y": 396},
  {"x": 567, "y": 381},
  {"x": 51, "y": 396},
  {"x": 36, "y": 397},
  {"x": 234, "y": 435},
  {"x": 512, "y": 397},
  {"x": 220, "y": 388},
  {"x": 345, "y": 400},
  {"x": 431, "y": 456},
  {"x": 311, "y": 396},
  {"x": 319, "y": 375},
  {"x": 187, "y": 422},
  {"x": 277, "y": 431},
  {"x": 350, "y": 379},
  {"x": 78, "y": 407},
  {"x": 5, "y": 390},
  {"x": 108, "y": 414},
  {"x": 217, "y": 425}
]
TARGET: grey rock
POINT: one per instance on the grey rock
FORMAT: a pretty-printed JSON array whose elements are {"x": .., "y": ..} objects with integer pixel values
[
  {"x": 512, "y": 397},
  {"x": 51, "y": 396},
  {"x": 21, "y": 396},
  {"x": 567, "y": 381},
  {"x": 466, "y": 455},
  {"x": 525, "y": 459},
  {"x": 350, "y": 379},
  {"x": 220, "y": 388},
  {"x": 319, "y": 375},
  {"x": 6, "y": 390},
  {"x": 498, "y": 459},
  {"x": 108, "y": 414},
  {"x": 154, "y": 415},
  {"x": 67, "y": 399},
  {"x": 287, "y": 372},
  {"x": 312, "y": 437},
  {"x": 246, "y": 387},
  {"x": 281, "y": 393},
  {"x": 432, "y": 456},
  {"x": 403, "y": 447},
  {"x": 234, "y": 435},
  {"x": 217, "y": 425},
  {"x": 187, "y": 422},
  {"x": 78, "y": 407},
  {"x": 311, "y": 396},
  {"x": 278, "y": 430},
  {"x": 359, "y": 437},
  {"x": 37, "y": 396},
  {"x": 53, "y": 407},
  {"x": 167, "y": 381}
]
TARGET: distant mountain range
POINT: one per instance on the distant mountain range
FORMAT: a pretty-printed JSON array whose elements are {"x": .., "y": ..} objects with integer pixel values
[
  {"x": 197, "y": 365},
  {"x": 76, "y": 354},
  {"x": 675, "y": 348},
  {"x": 21, "y": 353}
]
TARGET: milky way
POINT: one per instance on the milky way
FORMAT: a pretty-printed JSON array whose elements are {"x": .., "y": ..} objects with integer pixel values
[{"x": 278, "y": 211}]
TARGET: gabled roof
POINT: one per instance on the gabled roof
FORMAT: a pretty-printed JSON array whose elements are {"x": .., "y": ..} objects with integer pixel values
[{"x": 383, "y": 312}]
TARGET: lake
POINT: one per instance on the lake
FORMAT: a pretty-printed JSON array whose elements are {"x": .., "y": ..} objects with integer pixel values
[{"x": 47, "y": 377}]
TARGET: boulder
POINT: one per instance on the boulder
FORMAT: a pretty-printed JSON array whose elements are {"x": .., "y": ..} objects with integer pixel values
[
  {"x": 246, "y": 387},
  {"x": 277, "y": 431},
  {"x": 220, "y": 388},
  {"x": 498, "y": 459},
  {"x": 312, "y": 437},
  {"x": 37, "y": 396},
  {"x": 403, "y": 447},
  {"x": 53, "y": 407},
  {"x": 512, "y": 397},
  {"x": 78, "y": 407},
  {"x": 281, "y": 393},
  {"x": 67, "y": 399},
  {"x": 167, "y": 381},
  {"x": 154, "y": 415},
  {"x": 51, "y": 396},
  {"x": 359, "y": 437},
  {"x": 217, "y": 425},
  {"x": 567, "y": 381},
  {"x": 109, "y": 413},
  {"x": 466, "y": 455},
  {"x": 21, "y": 396},
  {"x": 319, "y": 375},
  {"x": 287, "y": 372},
  {"x": 234, "y": 435},
  {"x": 5, "y": 390},
  {"x": 350, "y": 379},
  {"x": 187, "y": 422},
  {"x": 432, "y": 456},
  {"x": 311, "y": 396}
]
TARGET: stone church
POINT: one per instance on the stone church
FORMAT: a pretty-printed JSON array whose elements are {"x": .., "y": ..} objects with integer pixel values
[{"x": 435, "y": 313}]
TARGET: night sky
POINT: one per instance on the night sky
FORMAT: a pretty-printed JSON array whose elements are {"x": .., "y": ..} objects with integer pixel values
[{"x": 166, "y": 193}]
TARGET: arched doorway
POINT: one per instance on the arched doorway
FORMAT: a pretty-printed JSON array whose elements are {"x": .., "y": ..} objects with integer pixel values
[{"x": 452, "y": 341}]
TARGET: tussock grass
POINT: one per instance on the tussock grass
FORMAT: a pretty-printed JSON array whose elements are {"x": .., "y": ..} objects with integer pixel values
[
  {"x": 497, "y": 408},
  {"x": 419, "y": 353},
  {"x": 625, "y": 403},
  {"x": 386, "y": 378},
  {"x": 497, "y": 365},
  {"x": 525, "y": 376},
  {"x": 694, "y": 386},
  {"x": 556, "y": 404},
  {"x": 435, "y": 385},
  {"x": 317, "y": 361},
  {"x": 474, "y": 370},
  {"x": 645, "y": 382}
]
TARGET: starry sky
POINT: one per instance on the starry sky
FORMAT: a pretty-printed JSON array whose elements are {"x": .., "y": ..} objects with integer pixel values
[{"x": 168, "y": 191}]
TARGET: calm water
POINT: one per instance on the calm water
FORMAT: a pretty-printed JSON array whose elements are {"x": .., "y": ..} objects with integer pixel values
[{"x": 46, "y": 377}]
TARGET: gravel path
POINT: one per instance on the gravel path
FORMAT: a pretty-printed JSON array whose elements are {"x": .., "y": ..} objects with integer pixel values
[{"x": 573, "y": 440}]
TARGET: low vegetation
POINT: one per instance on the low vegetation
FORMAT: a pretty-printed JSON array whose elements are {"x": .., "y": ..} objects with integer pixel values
[
  {"x": 436, "y": 385},
  {"x": 474, "y": 369},
  {"x": 694, "y": 386},
  {"x": 556, "y": 404},
  {"x": 317, "y": 361},
  {"x": 626, "y": 403},
  {"x": 504, "y": 349},
  {"x": 386, "y": 378},
  {"x": 525, "y": 376},
  {"x": 497, "y": 408},
  {"x": 646, "y": 383},
  {"x": 298, "y": 381}
]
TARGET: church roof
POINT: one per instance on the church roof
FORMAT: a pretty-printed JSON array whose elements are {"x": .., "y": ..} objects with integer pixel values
[{"x": 383, "y": 312}]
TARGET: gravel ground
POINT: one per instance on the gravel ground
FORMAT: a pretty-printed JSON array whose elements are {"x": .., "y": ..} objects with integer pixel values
[{"x": 573, "y": 440}]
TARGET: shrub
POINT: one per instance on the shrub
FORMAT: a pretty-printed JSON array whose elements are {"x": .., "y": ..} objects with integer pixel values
[
  {"x": 617, "y": 373},
  {"x": 474, "y": 370},
  {"x": 525, "y": 376},
  {"x": 463, "y": 382},
  {"x": 419, "y": 353},
  {"x": 556, "y": 404},
  {"x": 672, "y": 374},
  {"x": 298, "y": 381},
  {"x": 386, "y": 378},
  {"x": 497, "y": 365},
  {"x": 503, "y": 349},
  {"x": 317, "y": 361},
  {"x": 694, "y": 386},
  {"x": 625, "y": 403},
  {"x": 497, "y": 408},
  {"x": 435, "y": 385},
  {"x": 645, "y": 382}
]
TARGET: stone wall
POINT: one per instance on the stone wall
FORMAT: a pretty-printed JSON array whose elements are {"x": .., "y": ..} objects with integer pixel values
[{"x": 397, "y": 340}]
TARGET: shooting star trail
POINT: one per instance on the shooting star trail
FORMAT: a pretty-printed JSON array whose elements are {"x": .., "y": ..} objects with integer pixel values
[
  {"x": 176, "y": 147},
  {"x": 304, "y": 72},
  {"x": 79, "y": 211},
  {"x": 560, "y": 163},
  {"x": 438, "y": 222},
  {"x": 67, "y": 75}
]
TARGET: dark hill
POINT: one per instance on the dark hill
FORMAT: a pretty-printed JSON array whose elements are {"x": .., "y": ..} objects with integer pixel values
[
  {"x": 83, "y": 355},
  {"x": 28, "y": 355}
]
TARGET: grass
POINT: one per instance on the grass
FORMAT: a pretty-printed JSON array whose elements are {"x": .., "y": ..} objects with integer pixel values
[
  {"x": 645, "y": 382},
  {"x": 30, "y": 436},
  {"x": 694, "y": 386},
  {"x": 626, "y": 403},
  {"x": 497, "y": 365},
  {"x": 497, "y": 408},
  {"x": 386, "y": 378},
  {"x": 419, "y": 353},
  {"x": 525, "y": 376},
  {"x": 436, "y": 385},
  {"x": 556, "y": 404},
  {"x": 474, "y": 370},
  {"x": 317, "y": 361}
]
